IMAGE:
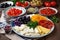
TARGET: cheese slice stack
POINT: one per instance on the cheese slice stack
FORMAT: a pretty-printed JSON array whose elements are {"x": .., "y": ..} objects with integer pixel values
[{"x": 43, "y": 30}]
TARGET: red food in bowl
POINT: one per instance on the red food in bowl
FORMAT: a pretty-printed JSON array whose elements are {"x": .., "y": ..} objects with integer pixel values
[
  {"x": 46, "y": 23},
  {"x": 25, "y": 4},
  {"x": 47, "y": 4},
  {"x": 47, "y": 11},
  {"x": 53, "y": 3},
  {"x": 14, "y": 12},
  {"x": 18, "y": 3}
]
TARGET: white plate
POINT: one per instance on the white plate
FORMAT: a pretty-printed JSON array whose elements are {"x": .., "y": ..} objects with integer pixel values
[
  {"x": 50, "y": 8},
  {"x": 20, "y": 8},
  {"x": 35, "y": 36}
]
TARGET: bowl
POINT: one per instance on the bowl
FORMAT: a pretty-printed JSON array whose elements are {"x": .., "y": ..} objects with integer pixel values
[
  {"x": 48, "y": 11},
  {"x": 30, "y": 10},
  {"x": 8, "y": 2},
  {"x": 8, "y": 18},
  {"x": 16, "y": 7}
]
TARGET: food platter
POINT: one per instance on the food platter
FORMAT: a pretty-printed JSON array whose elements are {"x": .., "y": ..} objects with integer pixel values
[{"x": 32, "y": 36}]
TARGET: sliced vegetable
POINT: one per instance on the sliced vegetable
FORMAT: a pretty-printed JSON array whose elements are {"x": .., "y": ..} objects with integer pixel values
[
  {"x": 46, "y": 23},
  {"x": 22, "y": 4},
  {"x": 14, "y": 1},
  {"x": 26, "y": 3},
  {"x": 47, "y": 4},
  {"x": 54, "y": 19},
  {"x": 22, "y": 0},
  {"x": 18, "y": 3},
  {"x": 14, "y": 12},
  {"x": 53, "y": 3},
  {"x": 47, "y": 11},
  {"x": 32, "y": 24},
  {"x": 37, "y": 18}
]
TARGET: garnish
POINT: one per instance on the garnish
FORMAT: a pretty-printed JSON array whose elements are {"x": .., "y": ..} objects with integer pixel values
[
  {"x": 22, "y": 0},
  {"x": 14, "y": 1},
  {"x": 54, "y": 19},
  {"x": 32, "y": 24}
]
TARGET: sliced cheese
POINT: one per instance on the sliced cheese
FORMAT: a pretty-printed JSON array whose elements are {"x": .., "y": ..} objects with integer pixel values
[{"x": 43, "y": 30}]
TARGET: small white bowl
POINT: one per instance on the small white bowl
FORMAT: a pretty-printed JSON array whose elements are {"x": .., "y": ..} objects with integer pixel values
[
  {"x": 20, "y": 8},
  {"x": 36, "y": 10},
  {"x": 8, "y": 2},
  {"x": 50, "y": 8}
]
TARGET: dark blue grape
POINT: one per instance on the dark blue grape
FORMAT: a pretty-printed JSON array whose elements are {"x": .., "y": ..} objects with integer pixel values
[
  {"x": 22, "y": 20},
  {"x": 4, "y": 5},
  {"x": 17, "y": 23}
]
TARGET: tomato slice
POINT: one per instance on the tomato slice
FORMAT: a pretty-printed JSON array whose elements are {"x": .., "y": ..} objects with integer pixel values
[
  {"x": 46, "y": 23},
  {"x": 47, "y": 11},
  {"x": 26, "y": 3},
  {"x": 18, "y": 3},
  {"x": 14, "y": 12}
]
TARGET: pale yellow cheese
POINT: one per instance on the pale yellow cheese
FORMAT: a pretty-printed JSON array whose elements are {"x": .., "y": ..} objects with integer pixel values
[{"x": 43, "y": 30}]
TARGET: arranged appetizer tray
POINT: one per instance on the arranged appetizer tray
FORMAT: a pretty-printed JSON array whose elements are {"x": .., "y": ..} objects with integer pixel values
[{"x": 33, "y": 26}]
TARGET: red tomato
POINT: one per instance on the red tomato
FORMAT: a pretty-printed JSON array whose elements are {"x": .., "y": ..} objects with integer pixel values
[
  {"x": 23, "y": 5},
  {"x": 53, "y": 3},
  {"x": 26, "y": 3},
  {"x": 46, "y": 23},
  {"x": 18, "y": 3},
  {"x": 20, "y": 11},
  {"x": 47, "y": 4},
  {"x": 47, "y": 12},
  {"x": 14, "y": 12}
]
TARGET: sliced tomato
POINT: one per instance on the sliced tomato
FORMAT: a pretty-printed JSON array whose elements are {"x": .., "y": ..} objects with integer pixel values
[
  {"x": 47, "y": 4},
  {"x": 46, "y": 23},
  {"x": 47, "y": 11},
  {"x": 23, "y": 5},
  {"x": 14, "y": 12},
  {"x": 26, "y": 3},
  {"x": 18, "y": 3}
]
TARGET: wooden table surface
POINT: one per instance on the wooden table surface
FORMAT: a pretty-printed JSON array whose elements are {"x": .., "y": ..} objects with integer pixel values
[{"x": 55, "y": 35}]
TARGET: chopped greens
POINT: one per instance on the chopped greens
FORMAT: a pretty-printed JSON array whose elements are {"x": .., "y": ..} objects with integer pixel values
[
  {"x": 22, "y": 0},
  {"x": 32, "y": 24},
  {"x": 14, "y": 1},
  {"x": 54, "y": 19}
]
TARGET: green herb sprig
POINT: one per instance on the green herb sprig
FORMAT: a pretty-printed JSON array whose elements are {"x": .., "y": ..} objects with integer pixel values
[
  {"x": 22, "y": 1},
  {"x": 32, "y": 24},
  {"x": 54, "y": 18}
]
